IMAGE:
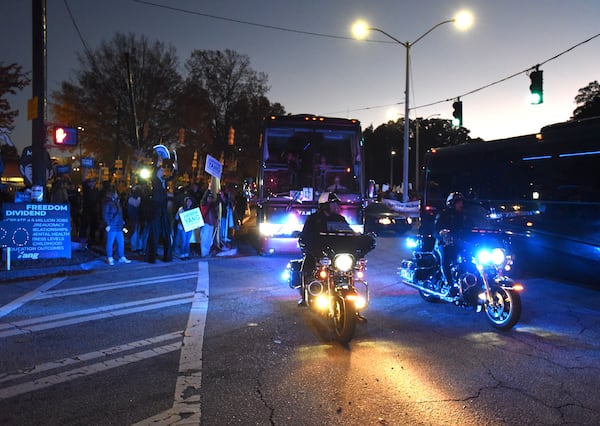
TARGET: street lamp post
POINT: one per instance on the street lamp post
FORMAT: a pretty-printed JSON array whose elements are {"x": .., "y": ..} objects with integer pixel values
[{"x": 463, "y": 20}]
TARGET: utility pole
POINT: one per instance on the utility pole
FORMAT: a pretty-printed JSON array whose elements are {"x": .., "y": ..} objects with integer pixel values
[{"x": 38, "y": 124}]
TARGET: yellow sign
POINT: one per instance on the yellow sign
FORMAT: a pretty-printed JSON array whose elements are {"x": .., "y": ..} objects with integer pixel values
[{"x": 32, "y": 108}]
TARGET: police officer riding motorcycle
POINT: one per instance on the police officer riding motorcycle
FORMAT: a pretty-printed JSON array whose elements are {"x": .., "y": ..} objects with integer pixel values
[
  {"x": 330, "y": 276},
  {"x": 468, "y": 265}
]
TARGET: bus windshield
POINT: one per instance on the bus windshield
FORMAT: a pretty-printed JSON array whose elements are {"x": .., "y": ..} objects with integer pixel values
[{"x": 300, "y": 156}]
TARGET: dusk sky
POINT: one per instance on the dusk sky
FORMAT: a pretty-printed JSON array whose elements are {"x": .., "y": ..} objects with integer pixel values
[{"x": 329, "y": 73}]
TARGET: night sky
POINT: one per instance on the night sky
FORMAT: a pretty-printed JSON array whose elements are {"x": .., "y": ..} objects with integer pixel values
[{"x": 315, "y": 66}]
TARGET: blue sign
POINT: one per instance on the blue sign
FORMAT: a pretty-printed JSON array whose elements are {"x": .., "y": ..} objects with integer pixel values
[
  {"x": 213, "y": 166},
  {"x": 63, "y": 170},
  {"x": 87, "y": 162},
  {"x": 36, "y": 230}
]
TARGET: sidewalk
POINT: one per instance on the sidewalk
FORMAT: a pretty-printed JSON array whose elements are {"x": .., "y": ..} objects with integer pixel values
[{"x": 89, "y": 259}]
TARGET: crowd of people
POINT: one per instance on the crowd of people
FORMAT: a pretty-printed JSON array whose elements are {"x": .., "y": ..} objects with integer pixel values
[{"x": 150, "y": 212}]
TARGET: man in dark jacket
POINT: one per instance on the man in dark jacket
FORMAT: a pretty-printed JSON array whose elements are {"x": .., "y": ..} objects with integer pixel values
[
  {"x": 159, "y": 226},
  {"x": 326, "y": 219},
  {"x": 450, "y": 227}
]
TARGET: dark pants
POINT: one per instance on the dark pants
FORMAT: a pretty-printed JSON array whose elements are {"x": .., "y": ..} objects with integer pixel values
[
  {"x": 447, "y": 254},
  {"x": 158, "y": 228},
  {"x": 308, "y": 266}
]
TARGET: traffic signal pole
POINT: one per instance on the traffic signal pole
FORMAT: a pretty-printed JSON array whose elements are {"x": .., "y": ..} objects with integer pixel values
[{"x": 38, "y": 124}]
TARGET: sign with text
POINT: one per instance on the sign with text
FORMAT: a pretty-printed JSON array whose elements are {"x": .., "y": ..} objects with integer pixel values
[
  {"x": 36, "y": 230},
  {"x": 213, "y": 166},
  {"x": 87, "y": 162},
  {"x": 191, "y": 219}
]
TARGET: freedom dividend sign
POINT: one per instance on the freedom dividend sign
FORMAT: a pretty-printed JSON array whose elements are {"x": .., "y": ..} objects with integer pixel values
[{"x": 36, "y": 231}]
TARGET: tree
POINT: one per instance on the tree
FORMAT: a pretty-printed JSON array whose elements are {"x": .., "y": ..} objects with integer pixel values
[
  {"x": 381, "y": 141},
  {"x": 123, "y": 95},
  {"x": 588, "y": 101},
  {"x": 237, "y": 95},
  {"x": 227, "y": 79},
  {"x": 12, "y": 78}
]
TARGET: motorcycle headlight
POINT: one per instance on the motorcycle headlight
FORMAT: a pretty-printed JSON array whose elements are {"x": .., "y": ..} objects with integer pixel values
[
  {"x": 495, "y": 256},
  {"x": 343, "y": 262},
  {"x": 412, "y": 243}
]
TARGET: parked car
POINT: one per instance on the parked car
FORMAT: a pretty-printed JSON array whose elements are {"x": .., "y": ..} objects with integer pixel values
[{"x": 379, "y": 217}]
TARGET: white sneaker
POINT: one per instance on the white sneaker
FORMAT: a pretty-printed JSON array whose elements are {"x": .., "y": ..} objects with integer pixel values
[
  {"x": 124, "y": 260},
  {"x": 110, "y": 261}
]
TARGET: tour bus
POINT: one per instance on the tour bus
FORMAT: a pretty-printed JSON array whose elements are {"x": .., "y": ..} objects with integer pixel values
[
  {"x": 542, "y": 189},
  {"x": 304, "y": 156}
]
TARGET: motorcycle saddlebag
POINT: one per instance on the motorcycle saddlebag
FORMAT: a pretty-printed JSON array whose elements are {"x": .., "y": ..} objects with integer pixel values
[{"x": 295, "y": 273}]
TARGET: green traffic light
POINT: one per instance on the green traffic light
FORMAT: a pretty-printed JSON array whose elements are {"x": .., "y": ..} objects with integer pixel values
[
  {"x": 535, "y": 98},
  {"x": 536, "y": 87}
]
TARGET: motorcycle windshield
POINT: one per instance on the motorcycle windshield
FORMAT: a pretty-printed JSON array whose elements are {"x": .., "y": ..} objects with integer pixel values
[{"x": 339, "y": 242}]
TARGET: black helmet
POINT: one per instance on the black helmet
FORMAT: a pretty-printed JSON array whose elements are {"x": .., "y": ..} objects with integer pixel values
[{"x": 453, "y": 198}]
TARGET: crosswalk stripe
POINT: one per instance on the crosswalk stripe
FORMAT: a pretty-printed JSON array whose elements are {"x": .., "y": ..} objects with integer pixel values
[{"x": 76, "y": 317}]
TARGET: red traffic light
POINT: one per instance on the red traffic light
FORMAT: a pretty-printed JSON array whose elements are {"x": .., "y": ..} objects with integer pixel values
[{"x": 65, "y": 136}]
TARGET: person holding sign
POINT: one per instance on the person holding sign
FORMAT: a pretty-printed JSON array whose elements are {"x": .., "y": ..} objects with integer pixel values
[{"x": 187, "y": 221}]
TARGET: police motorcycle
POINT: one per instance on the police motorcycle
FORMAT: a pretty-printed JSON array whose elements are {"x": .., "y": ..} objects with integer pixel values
[
  {"x": 479, "y": 279},
  {"x": 335, "y": 288}
]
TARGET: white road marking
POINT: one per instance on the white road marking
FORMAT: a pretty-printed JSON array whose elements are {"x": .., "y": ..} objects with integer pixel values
[
  {"x": 89, "y": 356},
  {"x": 87, "y": 370},
  {"x": 115, "y": 285},
  {"x": 17, "y": 303},
  {"x": 186, "y": 408},
  {"x": 85, "y": 315}
]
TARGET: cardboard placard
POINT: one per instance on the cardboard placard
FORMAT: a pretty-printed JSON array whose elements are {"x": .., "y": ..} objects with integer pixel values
[
  {"x": 191, "y": 219},
  {"x": 213, "y": 166}
]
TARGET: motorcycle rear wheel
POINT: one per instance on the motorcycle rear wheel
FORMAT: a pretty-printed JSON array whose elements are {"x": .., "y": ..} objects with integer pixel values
[
  {"x": 344, "y": 319},
  {"x": 504, "y": 311}
]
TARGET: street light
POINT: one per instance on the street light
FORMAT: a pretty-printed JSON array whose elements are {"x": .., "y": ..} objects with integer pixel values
[
  {"x": 462, "y": 20},
  {"x": 392, "y": 169}
]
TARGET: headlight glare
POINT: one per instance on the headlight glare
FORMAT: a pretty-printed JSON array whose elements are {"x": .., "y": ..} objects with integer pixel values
[
  {"x": 343, "y": 262},
  {"x": 498, "y": 256}
]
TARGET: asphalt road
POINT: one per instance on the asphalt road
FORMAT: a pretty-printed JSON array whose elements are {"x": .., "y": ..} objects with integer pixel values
[{"x": 222, "y": 342}]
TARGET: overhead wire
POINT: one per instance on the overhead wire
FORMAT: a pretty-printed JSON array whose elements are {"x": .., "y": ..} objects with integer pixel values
[
  {"x": 316, "y": 34},
  {"x": 85, "y": 46}
]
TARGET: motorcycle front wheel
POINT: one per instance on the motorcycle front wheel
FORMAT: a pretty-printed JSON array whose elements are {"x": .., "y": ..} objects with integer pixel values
[
  {"x": 504, "y": 310},
  {"x": 344, "y": 319}
]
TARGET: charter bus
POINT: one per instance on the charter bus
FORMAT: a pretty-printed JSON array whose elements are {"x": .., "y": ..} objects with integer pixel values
[
  {"x": 543, "y": 189},
  {"x": 304, "y": 156}
]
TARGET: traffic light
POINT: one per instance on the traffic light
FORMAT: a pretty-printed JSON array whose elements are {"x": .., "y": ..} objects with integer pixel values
[
  {"x": 231, "y": 139},
  {"x": 536, "y": 87},
  {"x": 457, "y": 121},
  {"x": 181, "y": 136},
  {"x": 65, "y": 136}
]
